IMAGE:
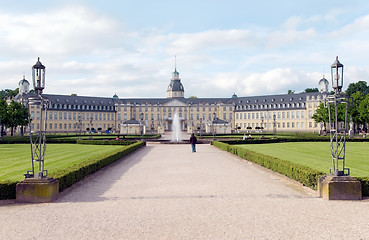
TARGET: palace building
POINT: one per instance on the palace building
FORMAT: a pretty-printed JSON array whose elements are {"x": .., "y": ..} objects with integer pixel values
[{"x": 72, "y": 113}]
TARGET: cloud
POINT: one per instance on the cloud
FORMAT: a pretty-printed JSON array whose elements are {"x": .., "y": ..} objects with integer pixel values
[{"x": 89, "y": 53}]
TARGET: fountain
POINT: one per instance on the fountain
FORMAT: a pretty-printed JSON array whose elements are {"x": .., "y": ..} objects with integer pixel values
[{"x": 176, "y": 129}]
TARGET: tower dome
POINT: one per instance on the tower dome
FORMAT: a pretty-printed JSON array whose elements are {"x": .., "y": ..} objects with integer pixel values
[
  {"x": 23, "y": 86},
  {"x": 175, "y": 88}
]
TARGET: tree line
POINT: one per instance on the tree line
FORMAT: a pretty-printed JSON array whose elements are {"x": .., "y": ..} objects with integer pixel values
[
  {"x": 358, "y": 108},
  {"x": 13, "y": 114}
]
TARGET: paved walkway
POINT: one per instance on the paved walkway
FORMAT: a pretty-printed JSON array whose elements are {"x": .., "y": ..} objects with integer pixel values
[{"x": 167, "y": 192}]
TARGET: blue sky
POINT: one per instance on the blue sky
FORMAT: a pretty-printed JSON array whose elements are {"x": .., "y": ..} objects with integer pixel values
[{"x": 99, "y": 48}]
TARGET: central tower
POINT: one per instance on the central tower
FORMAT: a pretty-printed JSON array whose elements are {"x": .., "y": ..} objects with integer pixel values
[{"x": 175, "y": 88}]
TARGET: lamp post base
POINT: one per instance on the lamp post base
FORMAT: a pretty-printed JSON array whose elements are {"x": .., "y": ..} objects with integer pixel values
[
  {"x": 37, "y": 190},
  {"x": 332, "y": 187}
]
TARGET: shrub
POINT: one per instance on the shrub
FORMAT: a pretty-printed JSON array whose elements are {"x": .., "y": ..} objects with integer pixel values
[{"x": 305, "y": 175}]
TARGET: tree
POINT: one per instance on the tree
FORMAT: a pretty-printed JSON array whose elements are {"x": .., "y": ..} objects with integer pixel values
[
  {"x": 321, "y": 115},
  {"x": 309, "y": 90},
  {"x": 291, "y": 91},
  {"x": 354, "y": 110},
  {"x": 3, "y": 109},
  {"x": 360, "y": 86},
  {"x": 363, "y": 110},
  {"x": 16, "y": 115},
  {"x": 4, "y": 94}
]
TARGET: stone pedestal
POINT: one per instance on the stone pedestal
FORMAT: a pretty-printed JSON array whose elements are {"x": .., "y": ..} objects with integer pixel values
[
  {"x": 339, "y": 188},
  {"x": 37, "y": 190}
]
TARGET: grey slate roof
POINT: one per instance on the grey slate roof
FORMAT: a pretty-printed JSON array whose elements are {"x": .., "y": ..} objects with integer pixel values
[{"x": 175, "y": 85}]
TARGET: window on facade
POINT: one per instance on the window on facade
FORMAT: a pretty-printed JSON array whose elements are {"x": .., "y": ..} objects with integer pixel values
[
  {"x": 288, "y": 125},
  {"x": 50, "y": 115},
  {"x": 297, "y": 125},
  {"x": 224, "y": 116},
  {"x": 257, "y": 115},
  {"x": 69, "y": 116},
  {"x": 50, "y": 126},
  {"x": 292, "y": 114},
  {"x": 297, "y": 114},
  {"x": 253, "y": 115},
  {"x": 288, "y": 114}
]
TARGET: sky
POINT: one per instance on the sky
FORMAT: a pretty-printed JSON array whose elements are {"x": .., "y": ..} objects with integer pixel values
[{"x": 128, "y": 48}]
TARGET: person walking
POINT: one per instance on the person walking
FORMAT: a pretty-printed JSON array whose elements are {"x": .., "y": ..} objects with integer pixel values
[{"x": 193, "y": 141}]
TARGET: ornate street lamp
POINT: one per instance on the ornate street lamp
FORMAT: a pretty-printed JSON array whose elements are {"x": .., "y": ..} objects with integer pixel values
[
  {"x": 337, "y": 132},
  {"x": 91, "y": 124},
  {"x": 141, "y": 125},
  {"x": 37, "y": 134},
  {"x": 262, "y": 126},
  {"x": 214, "y": 118},
  {"x": 274, "y": 125}
]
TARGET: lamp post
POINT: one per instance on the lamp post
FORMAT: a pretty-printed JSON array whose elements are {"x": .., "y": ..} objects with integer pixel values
[
  {"x": 141, "y": 125},
  {"x": 80, "y": 125},
  {"x": 337, "y": 133},
  {"x": 37, "y": 187},
  {"x": 37, "y": 136},
  {"x": 91, "y": 124},
  {"x": 262, "y": 124},
  {"x": 274, "y": 125},
  {"x": 338, "y": 185},
  {"x": 214, "y": 118}
]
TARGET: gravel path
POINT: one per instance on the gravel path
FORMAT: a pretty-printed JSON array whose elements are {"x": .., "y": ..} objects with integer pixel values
[{"x": 167, "y": 192}]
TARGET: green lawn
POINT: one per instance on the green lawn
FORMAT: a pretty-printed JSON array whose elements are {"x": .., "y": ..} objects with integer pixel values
[
  {"x": 15, "y": 159},
  {"x": 317, "y": 155}
]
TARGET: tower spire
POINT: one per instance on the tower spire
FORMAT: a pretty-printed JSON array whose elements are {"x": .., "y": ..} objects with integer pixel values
[{"x": 175, "y": 62}]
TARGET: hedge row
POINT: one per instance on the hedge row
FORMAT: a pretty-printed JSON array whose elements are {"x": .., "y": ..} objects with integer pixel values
[
  {"x": 279, "y": 140},
  {"x": 76, "y": 173},
  {"x": 25, "y": 140},
  {"x": 302, "y": 174},
  {"x": 305, "y": 175},
  {"x": 106, "y": 142},
  {"x": 68, "y": 177}
]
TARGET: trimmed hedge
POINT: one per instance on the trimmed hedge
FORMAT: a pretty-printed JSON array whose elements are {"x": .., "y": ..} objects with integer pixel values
[
  {"x": 68, "y": 177},
  {"x": 305, "y": 175},
  {"x": 106, "y": 142},
  {"x": 78, "y": 172}
]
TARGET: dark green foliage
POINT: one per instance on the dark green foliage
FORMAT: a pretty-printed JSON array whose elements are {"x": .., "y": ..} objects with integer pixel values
[
  {"x": 310, "y": 90},
  {"x": 7, "y": 190},
  {"x": 360, "y": 86},
  {"x": 364, "y": 185},
  {"x": 106, "y": 142}
]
